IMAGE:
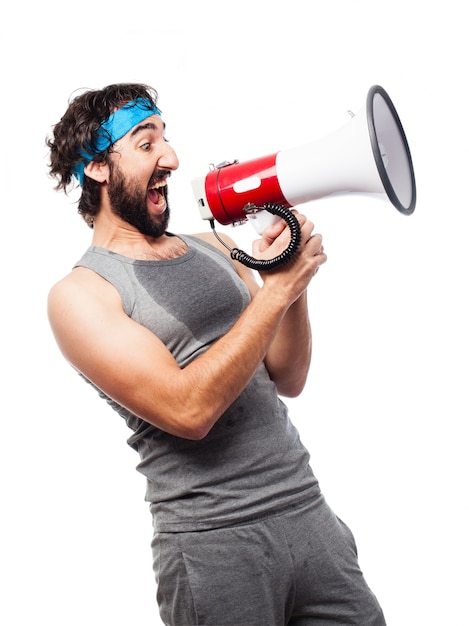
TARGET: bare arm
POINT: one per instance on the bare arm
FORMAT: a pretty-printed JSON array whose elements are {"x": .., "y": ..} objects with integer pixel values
[
  {"x": 132, "y": 366},
  {"x": 289, "y": 356}
]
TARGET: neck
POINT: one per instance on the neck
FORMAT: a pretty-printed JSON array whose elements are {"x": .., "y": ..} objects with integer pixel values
[{"x": 117, "y": 236}]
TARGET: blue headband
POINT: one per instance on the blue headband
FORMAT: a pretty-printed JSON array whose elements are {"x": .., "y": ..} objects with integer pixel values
[{"x": 116, "y": 126}]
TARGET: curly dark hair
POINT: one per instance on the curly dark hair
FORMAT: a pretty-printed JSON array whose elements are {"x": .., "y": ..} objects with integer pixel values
[{"x": 78, "y": 131}]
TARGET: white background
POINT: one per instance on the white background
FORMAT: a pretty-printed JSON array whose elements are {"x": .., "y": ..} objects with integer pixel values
[{"x": 386, "y": 405}]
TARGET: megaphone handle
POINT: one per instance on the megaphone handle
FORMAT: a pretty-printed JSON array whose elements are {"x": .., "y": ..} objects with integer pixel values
[
  {"x": 269, "y": 264},
  {"x": 261, "y": 220}
]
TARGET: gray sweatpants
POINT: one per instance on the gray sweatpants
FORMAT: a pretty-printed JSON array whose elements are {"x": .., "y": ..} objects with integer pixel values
[{"x": 297, "y": 568}]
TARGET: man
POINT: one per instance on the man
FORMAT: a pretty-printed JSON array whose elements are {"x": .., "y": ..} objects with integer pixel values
[{"x": 193, "y": 353}]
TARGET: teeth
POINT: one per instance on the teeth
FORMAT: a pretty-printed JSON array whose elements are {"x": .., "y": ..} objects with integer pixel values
[{"x": 157, "y": 185}]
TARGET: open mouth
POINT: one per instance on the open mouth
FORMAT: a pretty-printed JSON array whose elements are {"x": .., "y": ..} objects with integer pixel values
[{"x": 156, "y": 193}]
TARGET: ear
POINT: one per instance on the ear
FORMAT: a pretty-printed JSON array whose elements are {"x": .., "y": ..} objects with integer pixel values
[{"x": 98, "y": 171}]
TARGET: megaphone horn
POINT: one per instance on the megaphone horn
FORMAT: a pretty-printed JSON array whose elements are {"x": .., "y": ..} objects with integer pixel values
[{"x": 370, "y": 154}]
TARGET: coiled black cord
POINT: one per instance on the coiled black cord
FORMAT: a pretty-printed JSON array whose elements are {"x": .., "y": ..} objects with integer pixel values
[{"x": 283, "y": 257}]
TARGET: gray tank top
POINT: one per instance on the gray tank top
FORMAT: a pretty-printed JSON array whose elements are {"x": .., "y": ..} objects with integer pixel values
[{"x": 252, "y": 463}]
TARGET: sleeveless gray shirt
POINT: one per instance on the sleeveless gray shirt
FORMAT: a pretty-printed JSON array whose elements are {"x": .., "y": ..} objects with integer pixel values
[{"x": 252, "y": 463}]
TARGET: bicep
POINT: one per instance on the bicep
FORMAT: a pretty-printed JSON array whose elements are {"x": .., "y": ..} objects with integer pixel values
[{"x": 122, "y": 358}]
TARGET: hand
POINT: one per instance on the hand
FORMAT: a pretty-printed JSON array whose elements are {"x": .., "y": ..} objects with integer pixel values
[
  {"x": 306, "y": 261},
  {"x": 276, "y": 238}
]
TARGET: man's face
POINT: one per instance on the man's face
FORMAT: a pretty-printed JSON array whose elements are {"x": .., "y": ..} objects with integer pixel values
[{"x": 140, "y": 165}]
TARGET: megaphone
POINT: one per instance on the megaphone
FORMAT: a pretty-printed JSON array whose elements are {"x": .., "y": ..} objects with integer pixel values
[{"x": 369, "y": 155}]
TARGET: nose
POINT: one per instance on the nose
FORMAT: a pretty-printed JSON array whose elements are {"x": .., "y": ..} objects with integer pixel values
[{"x": 168, "y": 159}]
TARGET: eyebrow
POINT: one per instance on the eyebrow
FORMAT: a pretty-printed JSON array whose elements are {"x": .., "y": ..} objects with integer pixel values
[{"x": 147, "y": 126}]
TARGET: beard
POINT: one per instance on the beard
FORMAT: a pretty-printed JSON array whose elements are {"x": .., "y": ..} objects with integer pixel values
[{"x": 129, "y": 203}]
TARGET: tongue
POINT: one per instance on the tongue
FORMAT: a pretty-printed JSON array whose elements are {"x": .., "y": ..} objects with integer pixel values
[{"x": 153, "y": 196}]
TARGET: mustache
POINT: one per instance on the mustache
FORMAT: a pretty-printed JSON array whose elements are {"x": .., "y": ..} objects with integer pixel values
[{"x": 159, "y": 175}]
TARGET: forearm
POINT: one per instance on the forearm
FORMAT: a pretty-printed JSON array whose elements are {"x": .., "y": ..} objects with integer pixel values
[
  {"x": 216, "y": 378},
  {"x": 289, "y": 356}
]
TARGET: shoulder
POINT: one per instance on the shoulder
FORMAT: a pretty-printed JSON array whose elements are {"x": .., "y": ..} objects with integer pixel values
[
  {"x": 85, "y": 314},
  {"x": 209, "y": 237},
  {"x": 80, "y": 281},
  {"x": 81, "y": 290}
]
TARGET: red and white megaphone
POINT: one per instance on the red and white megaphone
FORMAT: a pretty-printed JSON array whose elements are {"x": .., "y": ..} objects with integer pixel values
[{"x": 369, "y": 155}]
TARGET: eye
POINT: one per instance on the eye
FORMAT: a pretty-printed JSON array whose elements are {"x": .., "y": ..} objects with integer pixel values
[{"x": 145, "y": 146}]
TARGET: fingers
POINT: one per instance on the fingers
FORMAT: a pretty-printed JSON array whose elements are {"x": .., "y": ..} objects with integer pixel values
[
  {"x": 313, "y": 247},
  {"x": 273, "y": 231},
  {"x": 319, "y": 255},
  {"x": 277, "y": 236},
  {"x": 280, "y": 230},
  {"x": 315, "y": 242}
]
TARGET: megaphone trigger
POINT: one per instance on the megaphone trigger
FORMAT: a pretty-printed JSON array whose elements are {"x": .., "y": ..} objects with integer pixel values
[{"x": 260, "y": 219}]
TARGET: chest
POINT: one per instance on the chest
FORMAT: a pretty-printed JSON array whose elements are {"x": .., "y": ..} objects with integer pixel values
[{"x": 189, "y": 305}]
